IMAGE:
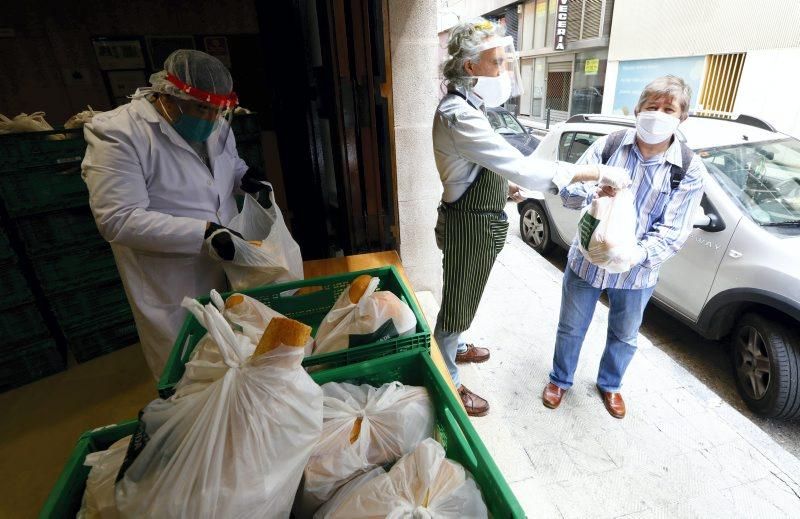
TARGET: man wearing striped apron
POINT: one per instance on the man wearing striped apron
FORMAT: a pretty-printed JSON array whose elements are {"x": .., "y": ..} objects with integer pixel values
[{"x": 475, "y": 165}]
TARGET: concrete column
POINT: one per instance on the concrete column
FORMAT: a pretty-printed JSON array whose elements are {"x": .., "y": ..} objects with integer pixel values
[{"x": 415, "y": 90}]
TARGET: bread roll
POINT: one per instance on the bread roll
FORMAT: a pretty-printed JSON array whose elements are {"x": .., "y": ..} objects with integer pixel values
[
  {"x": 356, "y": 431},
  {"x": 358, "y": 287},
  {"x": 233, "y": 300},
  {"x": 283, "y": 331}
]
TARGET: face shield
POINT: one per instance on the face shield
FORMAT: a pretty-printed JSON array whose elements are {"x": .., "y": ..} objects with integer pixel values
[
  {"x": 497, "y": 72},
  {"x": 204, "y": 116}
]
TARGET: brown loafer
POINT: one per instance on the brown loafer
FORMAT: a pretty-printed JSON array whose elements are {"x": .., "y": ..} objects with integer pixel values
[
  {"x": 474, "y": 405},
  {"x": 614, "y": 403},
  {"x": 552, "y": 395},
  {"x": 473, "y": 354}
]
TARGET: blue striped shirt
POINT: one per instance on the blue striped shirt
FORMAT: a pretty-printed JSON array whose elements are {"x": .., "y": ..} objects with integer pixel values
[{"x": 666, "y": 216}]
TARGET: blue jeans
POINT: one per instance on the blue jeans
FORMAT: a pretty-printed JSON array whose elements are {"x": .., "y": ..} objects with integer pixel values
[
  {"x": 449, "y": 343},
  {"x": 578, "y": 301}
]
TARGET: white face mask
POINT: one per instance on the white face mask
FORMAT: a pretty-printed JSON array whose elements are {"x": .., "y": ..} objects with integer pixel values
[
  {"x": 655, "y": 127},
  {"x": 493, "y": 90}
]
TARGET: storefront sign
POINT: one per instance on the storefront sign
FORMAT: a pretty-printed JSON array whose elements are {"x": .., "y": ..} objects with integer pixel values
[
  {"x": 591, "y": 67},
  {"x": 561, "y": 25},
  {"x": 633, "y": 76}
]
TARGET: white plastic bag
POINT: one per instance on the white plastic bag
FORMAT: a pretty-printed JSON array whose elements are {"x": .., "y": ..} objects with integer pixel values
[
  {"x": 423, "y": 484},
  {"x": 236, "y": 449},
  {"x": 28, "y": 123},
  {"x": 377, "y": 316},
  {"x": 80, "y": 118},
  {"x": 364, "y": 426},
  {"x": 607, "y": 231},
  {"x": 278, "y": 256},
  {"x": 249, "y": 318},
  {"x": 344, "y": 493},
  {"x": 99, "y": 501}
]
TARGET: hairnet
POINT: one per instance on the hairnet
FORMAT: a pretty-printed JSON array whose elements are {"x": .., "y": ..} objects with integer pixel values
[{"x": 195, "y": 68}]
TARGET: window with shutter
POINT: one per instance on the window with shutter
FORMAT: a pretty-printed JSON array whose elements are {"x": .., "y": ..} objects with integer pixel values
[{"x": 721, "y": 82}]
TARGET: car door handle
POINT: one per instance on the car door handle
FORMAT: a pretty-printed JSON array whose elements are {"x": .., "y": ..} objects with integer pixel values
[{"x": 735, "y": 254}]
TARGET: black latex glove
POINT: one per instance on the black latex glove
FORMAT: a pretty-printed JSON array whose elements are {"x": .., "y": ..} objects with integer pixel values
[
  {"x": 254, "y": 181},
  {"x": 221, "y": 240}
]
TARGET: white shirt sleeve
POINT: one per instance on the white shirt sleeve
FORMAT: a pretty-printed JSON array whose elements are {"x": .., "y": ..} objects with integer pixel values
[
  {"x": 119, "y": 199},
  {"x": 476, "y": 141}
]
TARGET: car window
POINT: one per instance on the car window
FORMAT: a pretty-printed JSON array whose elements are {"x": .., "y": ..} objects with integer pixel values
[
  {"x": 574, "y": 144},
  {"x": 763, "y": 177},
  {"x": 512, "y": 124}
]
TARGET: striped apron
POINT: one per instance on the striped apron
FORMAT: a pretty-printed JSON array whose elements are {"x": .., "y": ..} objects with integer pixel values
[{"x": 471, "y": 233}]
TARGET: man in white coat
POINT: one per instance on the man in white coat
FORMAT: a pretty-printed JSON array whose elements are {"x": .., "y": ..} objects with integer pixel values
[{"x": 162, "y": 171}]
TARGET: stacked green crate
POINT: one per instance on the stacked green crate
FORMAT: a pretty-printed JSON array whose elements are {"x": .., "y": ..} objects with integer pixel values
[
  {"x": 47, "y": 203},
  {"x": 27, "y": 352}
]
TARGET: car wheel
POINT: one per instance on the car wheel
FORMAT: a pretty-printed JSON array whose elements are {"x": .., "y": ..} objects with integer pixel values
[
  {"x": 766, "y": 363},
  {"x": 534, "y": 227}
]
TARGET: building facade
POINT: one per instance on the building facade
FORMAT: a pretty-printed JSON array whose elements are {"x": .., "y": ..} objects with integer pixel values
[{"x": 738, "y": 56}]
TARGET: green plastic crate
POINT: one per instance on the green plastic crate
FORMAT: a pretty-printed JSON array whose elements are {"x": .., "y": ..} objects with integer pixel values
[
  {"x": 65, "y": 498},
  {"x": 453, "y": 430},
  {"x": 59, "y": 231},
  {"x": 34, "y": 149},
  {"x": 310, "y": 309},
  {"x": 77, "y": 309},
  {"x": 69, "y": 270},
  {"x": 30, "y": 362},
  {"x": 21, "y": 325},
  {"x": 93, "y": 341},
  {"x": 14, "y": 289},
  {"x": 42, "y": 189}
]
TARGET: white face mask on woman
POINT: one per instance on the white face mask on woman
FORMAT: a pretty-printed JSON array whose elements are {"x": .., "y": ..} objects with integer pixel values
[
  {"x": 493, "y": 90},
  {"x": 655, "y": 127}
]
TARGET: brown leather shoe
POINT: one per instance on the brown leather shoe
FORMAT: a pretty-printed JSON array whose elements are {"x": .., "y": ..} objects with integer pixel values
[
  {"x": 475, "y": 405},
  {"x": 552, "y": 395},
  {"x": 614, "y": 403},
  {"x": 473, "y": 354}
]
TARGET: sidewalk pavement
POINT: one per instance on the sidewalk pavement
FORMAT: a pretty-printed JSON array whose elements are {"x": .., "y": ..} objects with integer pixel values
[{"x": 681, "y": 451}]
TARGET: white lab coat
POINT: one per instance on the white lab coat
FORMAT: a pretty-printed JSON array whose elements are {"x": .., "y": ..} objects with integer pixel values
[{"x": 151, "y": 196}]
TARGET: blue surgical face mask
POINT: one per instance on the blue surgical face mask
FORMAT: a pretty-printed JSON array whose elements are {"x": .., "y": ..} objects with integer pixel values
[
  {"x": 189, "y": 127},
  {"x": 193, "y": 128}
]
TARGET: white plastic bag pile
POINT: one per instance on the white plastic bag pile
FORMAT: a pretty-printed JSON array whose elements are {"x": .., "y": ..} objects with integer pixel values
[
  {"x": 364, "y": 426},
  {"x": 607, "y": 231},
  {"x": 268, "y": 253},
  {"x": 235, "y": 449},
  {"x": 375, "y": 316},
  {"x": 28, "y": 123},
  {"x": 423, "y": 484}
]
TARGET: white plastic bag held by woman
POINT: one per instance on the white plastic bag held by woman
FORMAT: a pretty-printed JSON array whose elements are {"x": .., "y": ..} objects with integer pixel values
[
  {"x": 237, "y": 448},
  {"x": 607, "y": 231},
  {"x": 272, "y": 258},
  {"x": 364, "y": 426},
  {"x": 423, "y": 484}
]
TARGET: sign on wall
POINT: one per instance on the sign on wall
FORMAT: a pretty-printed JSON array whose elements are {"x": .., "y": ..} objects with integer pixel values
[
  {"x": 560, "y": 42},
  {"x": 591, "y": 67},
  {"x": 634, "y": 75}
]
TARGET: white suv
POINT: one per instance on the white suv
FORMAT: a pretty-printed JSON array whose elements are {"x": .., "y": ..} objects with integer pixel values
[{"x": 739, "y": 273}]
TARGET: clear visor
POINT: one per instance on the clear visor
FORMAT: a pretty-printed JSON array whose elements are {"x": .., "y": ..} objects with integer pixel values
[
  {"x": 498, "y": 57},
  {"x": 221, "y": 118}
]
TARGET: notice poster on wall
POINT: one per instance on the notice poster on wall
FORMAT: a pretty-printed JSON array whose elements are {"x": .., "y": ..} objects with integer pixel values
[
  {"x": 217, "y": 46},
  {"x": 591, "y": 67},
  {"x": 634, "y": 75}
]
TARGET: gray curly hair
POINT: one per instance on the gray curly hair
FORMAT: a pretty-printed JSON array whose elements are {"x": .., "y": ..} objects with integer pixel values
[
  {"x": 668, "y": 86},
  {"x": 465, "y": 38}
]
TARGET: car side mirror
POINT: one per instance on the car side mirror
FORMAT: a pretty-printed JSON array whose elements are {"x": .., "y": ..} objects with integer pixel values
[{"x": 709, "y": 221}]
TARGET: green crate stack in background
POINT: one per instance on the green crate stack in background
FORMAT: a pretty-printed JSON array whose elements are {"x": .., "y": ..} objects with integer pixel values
[
  {"x": 69, "y": 266},
  {"x": 27, "y": 352}
]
